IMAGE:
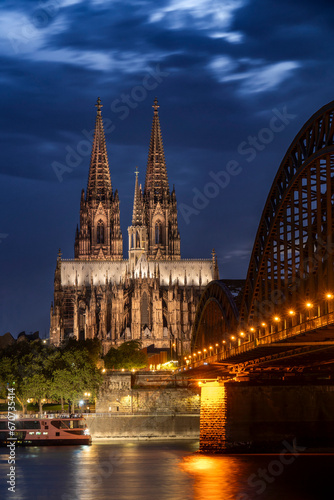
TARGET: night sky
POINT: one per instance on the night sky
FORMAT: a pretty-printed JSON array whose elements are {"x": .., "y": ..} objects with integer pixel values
[{"x": 235, "y": 81}]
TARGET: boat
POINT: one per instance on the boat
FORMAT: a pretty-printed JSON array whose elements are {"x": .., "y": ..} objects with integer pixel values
[{"x": 46, "y": 430}]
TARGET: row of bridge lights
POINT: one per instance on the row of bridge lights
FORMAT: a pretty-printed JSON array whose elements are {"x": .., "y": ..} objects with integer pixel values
[
  {"x": 291, "y": 313},
  {"x": 199, "y": 353},
  {"x": 277, "y": 319}
]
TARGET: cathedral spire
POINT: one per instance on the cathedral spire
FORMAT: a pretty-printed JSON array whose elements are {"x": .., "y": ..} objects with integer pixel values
[
  {"x": 156, "y": 183},
  {"x": 99, "y": 182},
  {"x": 99, "y": 236},
  {"x": 138, "y": 209}
]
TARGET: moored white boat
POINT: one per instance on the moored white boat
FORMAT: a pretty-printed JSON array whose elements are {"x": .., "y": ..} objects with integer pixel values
[{"x": 45, "y": 430}]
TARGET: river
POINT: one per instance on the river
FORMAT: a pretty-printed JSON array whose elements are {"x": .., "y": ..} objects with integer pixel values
[{"x": 163, "y": 470}]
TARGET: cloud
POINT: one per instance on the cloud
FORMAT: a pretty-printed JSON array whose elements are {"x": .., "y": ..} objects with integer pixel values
[
  {"x": 258, "y": 77},
  {"x": 203, "y": 14}
]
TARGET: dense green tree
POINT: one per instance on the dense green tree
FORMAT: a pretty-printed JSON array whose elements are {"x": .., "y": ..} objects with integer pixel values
[
  {"x": 40, "y": 372},
  {"x": 128, "y": 356},
  {"x": 75, "y": 375}
]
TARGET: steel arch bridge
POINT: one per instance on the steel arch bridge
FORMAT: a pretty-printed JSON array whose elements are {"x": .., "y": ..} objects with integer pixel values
[
  {"x": 216, "y": 315},
  {"x": 292, "y": 257}
]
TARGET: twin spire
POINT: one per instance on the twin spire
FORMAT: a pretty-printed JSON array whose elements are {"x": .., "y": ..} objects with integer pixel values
[
  {"x": 156, "y": 183},
  {"x": 99, "y": 182},
  {"x": 154, "y": 210}
]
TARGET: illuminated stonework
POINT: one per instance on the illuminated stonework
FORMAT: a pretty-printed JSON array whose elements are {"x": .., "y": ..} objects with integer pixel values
[{"x": 152, "y": 295}]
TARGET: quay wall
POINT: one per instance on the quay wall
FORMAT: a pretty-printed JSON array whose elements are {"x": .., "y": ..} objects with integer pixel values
[
  {"x": 145, "y": 405},
  {"x": 145, "y": 427}
]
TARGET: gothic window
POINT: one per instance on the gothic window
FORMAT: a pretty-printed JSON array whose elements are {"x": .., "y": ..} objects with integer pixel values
[
  {"x": 137, "y": 240},
  {"x": 158, "y": 233},
  {"x": 100, "y": 233},
  {"x": 144, "y": 310}
]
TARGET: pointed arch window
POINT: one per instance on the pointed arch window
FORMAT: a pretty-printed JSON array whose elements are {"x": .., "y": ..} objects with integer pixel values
[
  {"x": 158, "y": 233},
  {"x": 100, "y": 233}
]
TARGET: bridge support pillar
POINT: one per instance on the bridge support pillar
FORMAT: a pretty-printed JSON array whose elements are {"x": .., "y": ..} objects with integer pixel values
[
  {"x": 213, "y": 417},
  {"x": 263, "y": 415}
]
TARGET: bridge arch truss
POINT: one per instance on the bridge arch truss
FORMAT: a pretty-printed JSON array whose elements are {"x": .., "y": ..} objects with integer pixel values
[{"x": 292, "y": 257}]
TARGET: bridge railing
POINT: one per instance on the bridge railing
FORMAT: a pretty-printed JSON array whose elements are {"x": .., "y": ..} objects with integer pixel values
[{"x": 226, "y": 352}]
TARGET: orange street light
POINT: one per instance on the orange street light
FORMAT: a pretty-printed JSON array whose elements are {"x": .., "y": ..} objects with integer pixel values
[
  {"x": 263, "y": 323},
  {"x": 292, "y": 312},
  {"x": 329, "y": 296},
  {"x": 309, "y": 305},
  {"x": 252, "y": 329},
  {"x": 276, "y": 318}
]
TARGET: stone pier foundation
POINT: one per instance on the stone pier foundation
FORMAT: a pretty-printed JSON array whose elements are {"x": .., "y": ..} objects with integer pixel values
[{"x": 261, "y": 416}]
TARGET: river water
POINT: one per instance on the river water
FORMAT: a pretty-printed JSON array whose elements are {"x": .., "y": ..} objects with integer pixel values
[{"x": 163, "y": 470}]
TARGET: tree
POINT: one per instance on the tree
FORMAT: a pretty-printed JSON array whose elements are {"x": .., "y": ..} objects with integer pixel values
[
  {"x": 75, "y": 375},
  {"x": 39, "y": 371},
  {"x": 128, "y": 356}
]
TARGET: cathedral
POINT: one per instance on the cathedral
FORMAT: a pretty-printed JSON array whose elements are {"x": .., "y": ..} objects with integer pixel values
[{"x": 152, "y": 295}]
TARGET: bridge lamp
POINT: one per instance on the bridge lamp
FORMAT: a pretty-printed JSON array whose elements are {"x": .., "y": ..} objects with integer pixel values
[
  {"x": 210, "y": 347},
  {"x": 329, "y": 296},
  {"x": 232, "y": 337},
  {"x": 276, "y": 318},
  {"x": 242, "y": 334},
  {"x": 199, "y": 352},
  {"x": 309, "y": 305},
  {"x": 292, "y": 312},
  {"x": 217, "y": 345},
  {"x": 224, "y": 341},
  {"x": 204, "y": 350},
  {"x": 263, "y": 324}
]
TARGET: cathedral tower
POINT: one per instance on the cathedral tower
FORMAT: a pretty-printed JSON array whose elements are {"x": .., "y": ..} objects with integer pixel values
[
  {"x": 100, "y": 234},
  {"x": 159, "y": 203}
]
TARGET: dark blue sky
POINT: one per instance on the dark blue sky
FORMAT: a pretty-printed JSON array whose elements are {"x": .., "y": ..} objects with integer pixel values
[{"x": 235, "y": 81}]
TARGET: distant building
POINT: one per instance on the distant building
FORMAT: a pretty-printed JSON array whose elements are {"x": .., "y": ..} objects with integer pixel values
[{"x": 152, "y": 295}]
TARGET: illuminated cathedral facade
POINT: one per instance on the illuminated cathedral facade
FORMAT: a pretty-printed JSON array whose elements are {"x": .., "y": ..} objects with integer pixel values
[{"x": 152, "y": 295}]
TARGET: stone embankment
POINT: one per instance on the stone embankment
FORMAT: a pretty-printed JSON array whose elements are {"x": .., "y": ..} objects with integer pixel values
[{"x": 145, "y": 405}]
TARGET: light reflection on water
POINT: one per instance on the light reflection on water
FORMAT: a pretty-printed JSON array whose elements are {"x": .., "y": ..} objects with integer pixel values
[{"x": 161, "y": 471}]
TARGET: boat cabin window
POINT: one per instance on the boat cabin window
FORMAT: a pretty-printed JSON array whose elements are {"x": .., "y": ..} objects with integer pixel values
[
  {"x": 27, "y": 424},
  {"x": 69, "y": 424}
]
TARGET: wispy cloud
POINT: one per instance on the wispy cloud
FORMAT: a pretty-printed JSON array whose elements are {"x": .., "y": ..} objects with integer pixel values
[{"x": 258, "y": 77}]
